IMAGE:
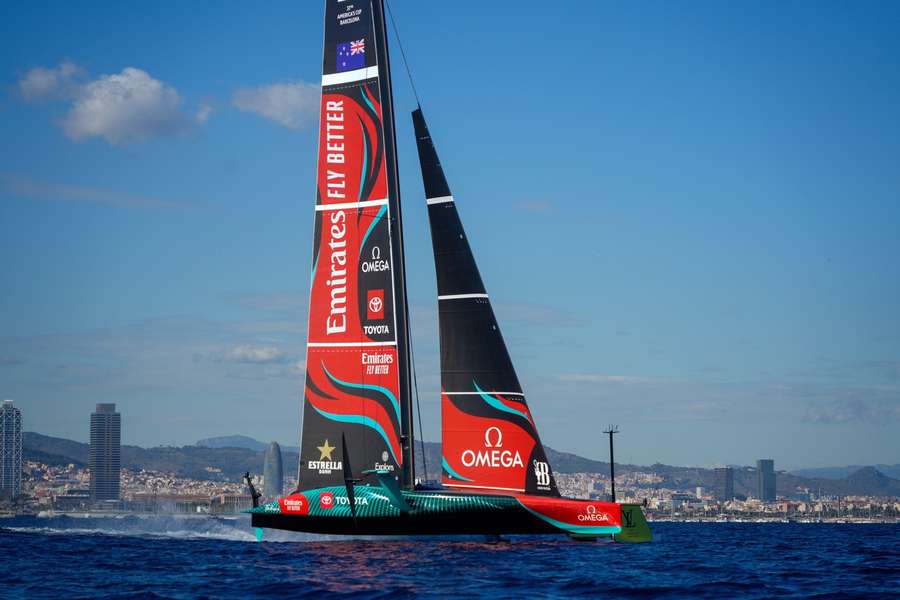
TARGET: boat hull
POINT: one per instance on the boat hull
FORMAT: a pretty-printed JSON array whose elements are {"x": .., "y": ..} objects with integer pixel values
[{"x": 379, "y": 512}]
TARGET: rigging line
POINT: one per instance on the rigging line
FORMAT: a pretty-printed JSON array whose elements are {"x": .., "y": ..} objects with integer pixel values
[
  {"x": 402, "y": 53},
  {"x": 300, "y": 443},
  {"x": 412, "y": 356}
]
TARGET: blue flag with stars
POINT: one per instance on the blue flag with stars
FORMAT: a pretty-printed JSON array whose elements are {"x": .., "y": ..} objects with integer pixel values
[{"x": 351, "y": 55}]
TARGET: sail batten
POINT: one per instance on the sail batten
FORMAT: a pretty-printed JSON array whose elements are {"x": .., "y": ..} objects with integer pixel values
[{"x": 488, "y": 437}]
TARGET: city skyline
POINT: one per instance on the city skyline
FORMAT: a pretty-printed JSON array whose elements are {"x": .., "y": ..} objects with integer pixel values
[
  {"x": 600, "y": 455},
  {"x": 696, "y": 241}
]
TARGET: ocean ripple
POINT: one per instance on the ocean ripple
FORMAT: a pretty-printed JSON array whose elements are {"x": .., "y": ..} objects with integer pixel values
[{"x": 170, "y": 557}]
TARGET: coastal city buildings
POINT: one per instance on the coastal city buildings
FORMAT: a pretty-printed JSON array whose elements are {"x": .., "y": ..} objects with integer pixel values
[
  {"x": 724, "y": 486},
  {"x": 216, "y": 487},
  {"x": 10, "y": 451},
  {"x": 105, "y": 456},
  {"x": 765, "y": 479},
  {"x": 273, "y": 472},
  {"x": 64, "y": 488}
]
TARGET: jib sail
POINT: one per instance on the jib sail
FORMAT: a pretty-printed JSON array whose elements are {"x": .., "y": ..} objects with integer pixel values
[
  {"x": 489, "y": 439},
  {"x": 357, "y": 377}
]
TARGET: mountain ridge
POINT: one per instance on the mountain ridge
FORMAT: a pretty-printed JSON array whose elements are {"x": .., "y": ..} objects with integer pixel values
[{"x": 226, "y": 458}]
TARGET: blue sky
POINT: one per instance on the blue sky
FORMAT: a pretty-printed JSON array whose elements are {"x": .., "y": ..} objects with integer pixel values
[{"x": 686, "y": 214}]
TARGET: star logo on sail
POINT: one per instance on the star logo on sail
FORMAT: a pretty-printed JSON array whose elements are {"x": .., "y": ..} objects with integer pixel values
[
  {"x": 325, "y": 451},
  {"x": 326, "y": 463}
]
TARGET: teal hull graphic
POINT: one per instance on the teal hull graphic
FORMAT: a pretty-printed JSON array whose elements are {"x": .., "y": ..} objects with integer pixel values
[{"x": 327, "y": 511}]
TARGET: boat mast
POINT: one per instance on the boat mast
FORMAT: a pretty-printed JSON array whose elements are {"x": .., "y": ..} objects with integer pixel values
[{"x": 396, "y": 231}]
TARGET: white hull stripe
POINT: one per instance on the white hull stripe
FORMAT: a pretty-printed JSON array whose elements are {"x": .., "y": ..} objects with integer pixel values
[
  {"x": 439, "y": 200},
  {"x": 349, "y": 76},
  {"x": 348, "y": 344},
  {"x": 486, "y": 392},
  {"x": 461, "y": 296},
  {"x": 349, "y": 205},
  {"x": 485, "y": 487}
]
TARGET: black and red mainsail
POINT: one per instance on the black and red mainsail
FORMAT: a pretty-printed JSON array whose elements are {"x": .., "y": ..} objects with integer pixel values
[
  {"x": 357, "y": 367},
  {"x": 489, "y": 438}
]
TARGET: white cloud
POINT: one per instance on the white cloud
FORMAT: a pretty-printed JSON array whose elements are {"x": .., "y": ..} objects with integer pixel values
[
  {"x": 880, "y": 407},
  {"x": 257, "y": 355},
  {"x": 274, "y": 302},
  {"x": 290, "y": 104},
  {"x": 202, "y": 114},
  {"x": 61, "y": 81},
  {"x": 129, "y": 107},
  {"x": 40, "y": 190}
]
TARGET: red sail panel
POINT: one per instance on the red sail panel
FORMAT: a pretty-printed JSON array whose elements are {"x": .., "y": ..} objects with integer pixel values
[
  {"x": 483, "y": 451},
  {"x": 489, "y": 438},
  {"x": 353, "y": 377}
]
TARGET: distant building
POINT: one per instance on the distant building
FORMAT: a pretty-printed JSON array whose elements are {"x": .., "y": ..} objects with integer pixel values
[
  {"x": 10, "y": 450},
  {"x": 105, "y": 457},
  {"x": 724, "y": 489},
  {"x": 73, "y": 500},
  {"x": 226, "y": 504},
  {"x": 273, "y": 472},
  {"x": 765, "y": 479}
]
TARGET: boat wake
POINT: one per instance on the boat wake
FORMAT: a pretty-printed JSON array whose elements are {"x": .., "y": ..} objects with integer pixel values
[
  {"x": 182, "y": 528},
  {"x": 232, "y": 529}
]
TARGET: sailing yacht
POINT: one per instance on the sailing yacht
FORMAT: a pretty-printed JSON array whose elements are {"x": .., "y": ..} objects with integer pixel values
[{"x": 356, "y": 471}]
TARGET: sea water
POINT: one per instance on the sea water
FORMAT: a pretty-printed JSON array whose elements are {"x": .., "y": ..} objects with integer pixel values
[{"x": 173, "y": 557}]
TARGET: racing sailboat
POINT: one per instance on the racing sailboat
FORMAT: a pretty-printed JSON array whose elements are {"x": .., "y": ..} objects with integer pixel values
[{"x": 356, "y": 454}]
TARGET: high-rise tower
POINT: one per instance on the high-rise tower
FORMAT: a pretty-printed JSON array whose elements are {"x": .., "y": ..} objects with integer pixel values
[
  {"x": 10, "y": 450},
  {"x": 765, "y": 479},
  {"x": 273, "y": 473},
  {"x": 724, "y": 484},
  {"x": 106, "y": 452}
]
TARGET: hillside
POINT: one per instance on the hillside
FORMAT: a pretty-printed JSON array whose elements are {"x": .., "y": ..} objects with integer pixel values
[
  {"x": 227, "y": 458},
  {"x": 195, "y": 462},
  {"x": 844, "y": 472}
]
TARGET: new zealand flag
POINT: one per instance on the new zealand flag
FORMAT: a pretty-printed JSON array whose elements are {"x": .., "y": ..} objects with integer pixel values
[{"x": 351, "y": 55}]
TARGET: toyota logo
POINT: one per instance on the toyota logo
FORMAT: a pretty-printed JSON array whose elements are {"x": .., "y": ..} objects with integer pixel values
[{"x": 375, "y": 304}]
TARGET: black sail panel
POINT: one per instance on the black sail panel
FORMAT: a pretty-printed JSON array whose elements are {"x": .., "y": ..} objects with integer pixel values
[{"x": 489, "y": 439}]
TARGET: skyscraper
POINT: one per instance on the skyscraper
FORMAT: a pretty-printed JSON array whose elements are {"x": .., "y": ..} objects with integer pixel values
[
  {"x": 106, "y": 452},
  {"x": 724, "y": 484},
  {"x": 765, "y": 479},
  {"x": 10, "y": 450},
  {"x": 273, "y": 473}
]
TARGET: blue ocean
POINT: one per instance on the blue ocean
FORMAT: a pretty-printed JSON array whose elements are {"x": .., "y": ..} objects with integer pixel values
[{"x": 158, "y": 557}]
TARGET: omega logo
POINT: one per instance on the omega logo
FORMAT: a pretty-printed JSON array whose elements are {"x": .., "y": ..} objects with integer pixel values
[{"x": 487, "y": 438}]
